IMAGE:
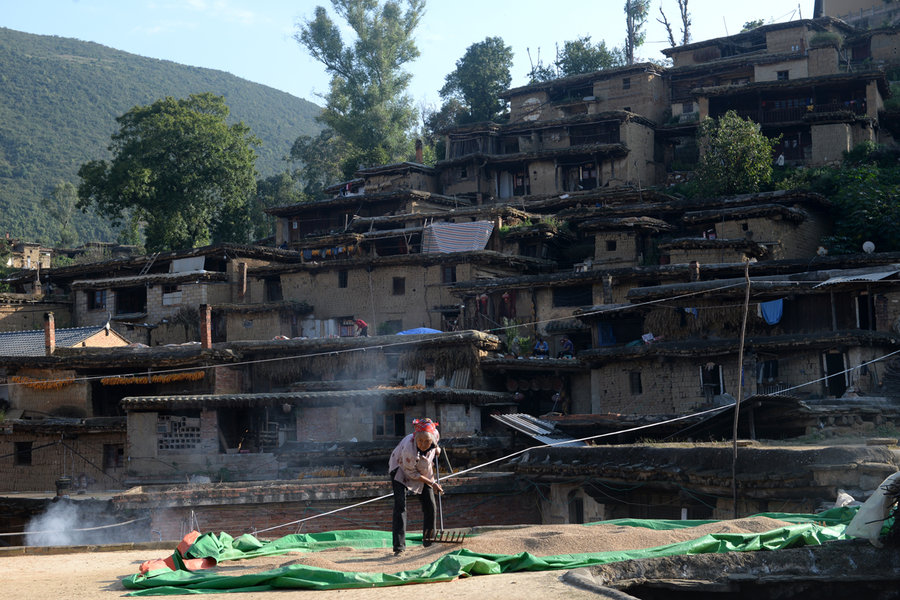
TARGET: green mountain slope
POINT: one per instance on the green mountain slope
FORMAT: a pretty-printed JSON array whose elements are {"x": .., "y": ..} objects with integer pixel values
[{"x": 59, "y": 98}]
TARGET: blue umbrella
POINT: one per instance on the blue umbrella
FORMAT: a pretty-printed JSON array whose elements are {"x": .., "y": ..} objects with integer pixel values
[{"x": 419, "y": 330}]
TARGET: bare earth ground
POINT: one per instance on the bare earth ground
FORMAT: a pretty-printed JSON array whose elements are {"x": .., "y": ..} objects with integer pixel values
[{"x": 96, "y": 575}]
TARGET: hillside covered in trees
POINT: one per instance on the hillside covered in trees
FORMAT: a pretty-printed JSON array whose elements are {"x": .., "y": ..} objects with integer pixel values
[{"x": 59, "y": 98}]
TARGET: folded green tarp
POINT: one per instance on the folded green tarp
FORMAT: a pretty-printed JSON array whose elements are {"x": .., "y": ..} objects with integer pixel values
[{"x": 806, "y": 530}]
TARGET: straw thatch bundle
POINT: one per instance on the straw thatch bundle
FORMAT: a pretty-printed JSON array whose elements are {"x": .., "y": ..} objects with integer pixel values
[
  {"x": 675, "y": 323},
  {"x": 446, "y": 360},
  {"x": 359, "y": 364}
]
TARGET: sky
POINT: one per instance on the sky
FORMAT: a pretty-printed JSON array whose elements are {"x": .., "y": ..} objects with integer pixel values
[{"x": 253, "y": 39}]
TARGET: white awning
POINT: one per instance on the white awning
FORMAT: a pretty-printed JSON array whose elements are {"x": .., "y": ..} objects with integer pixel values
[
  {"x": 878, "y": 276},
  {"x": 542, "y": 431}
]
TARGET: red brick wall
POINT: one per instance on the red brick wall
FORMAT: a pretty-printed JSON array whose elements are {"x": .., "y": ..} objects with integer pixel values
[
  {"x": 247, "y": 508},
  {"x": 319, "y": 424},
  {"x": 227, "y": 381},
  {"x": 463, "y": 510}
]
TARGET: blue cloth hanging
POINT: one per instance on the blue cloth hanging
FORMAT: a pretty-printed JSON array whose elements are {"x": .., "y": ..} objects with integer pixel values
[{"x": 772, "y": 311}]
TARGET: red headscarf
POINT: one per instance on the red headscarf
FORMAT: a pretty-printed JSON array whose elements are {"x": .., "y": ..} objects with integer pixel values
[{"x": 424, "y": 425}]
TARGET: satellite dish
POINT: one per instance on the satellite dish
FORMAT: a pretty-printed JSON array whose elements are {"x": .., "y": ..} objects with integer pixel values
[
  {"x": 821, "y": 251},
  {"x": 868, "y": 247}
]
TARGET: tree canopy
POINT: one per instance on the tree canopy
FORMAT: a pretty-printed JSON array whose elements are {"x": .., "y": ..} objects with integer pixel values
[
  {"x": 178, "y": 168},
  {"x": 863, "y": 192},
  {"x": 480, "y": 76},
  {"x": 58, "y": 102},
  {"x": 577, "y": 56},
  {"x": 367, "y": 105},
  {"x": 580, "y": 56},
  {"x": 61, "y": 207},
  {"x": 735, "y": 157}
]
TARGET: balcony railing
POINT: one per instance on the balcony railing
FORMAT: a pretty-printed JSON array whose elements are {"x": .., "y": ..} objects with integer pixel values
[
  {"x": 796, "y": 113},
  {"x": 773, "y": 389}
]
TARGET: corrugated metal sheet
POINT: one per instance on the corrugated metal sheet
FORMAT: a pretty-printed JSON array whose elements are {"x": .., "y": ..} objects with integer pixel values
[
  {"x": 878, "y": 276},
  {"x": 542, "y": 431}
]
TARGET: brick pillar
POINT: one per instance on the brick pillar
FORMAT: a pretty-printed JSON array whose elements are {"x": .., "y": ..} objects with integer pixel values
[
  {"x": 205, "y": 326},
  {"x": 49, "y": 333}
]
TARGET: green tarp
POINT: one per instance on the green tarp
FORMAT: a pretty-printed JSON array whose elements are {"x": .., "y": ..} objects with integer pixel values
[{"x": 806, "y": 530}]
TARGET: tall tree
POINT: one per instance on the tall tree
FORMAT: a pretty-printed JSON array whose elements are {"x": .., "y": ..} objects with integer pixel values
[
  {"x": 685, "y": 24},
  {"x": 321, "y": 159},
  {"x": 435, "y": 123},
  {"x": 735, "y": 157},
  {"x": 278, "y": 190},
  {"x": 61, "y": 207},
  {"x": 480, "y": 76},
  {"x": 636, "y": 12},
  {"x": 580, "y": 56},
  {"x": 180, "y": 169},
  {"x": 367, "y": 104}
]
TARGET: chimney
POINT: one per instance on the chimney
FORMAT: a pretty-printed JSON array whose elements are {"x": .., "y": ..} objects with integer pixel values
[
  {"x": 420, "y": 158},
  {"x": 205, "y": 326},
  {"x": 695, "y": 270},
  {"x": 49, "y": 333}
]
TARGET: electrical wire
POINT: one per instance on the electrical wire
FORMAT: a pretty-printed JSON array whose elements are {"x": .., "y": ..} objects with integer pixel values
[{"x": 81, "y": 529}]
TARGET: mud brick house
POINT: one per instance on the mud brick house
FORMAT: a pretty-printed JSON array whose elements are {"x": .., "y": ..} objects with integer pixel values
[
  {"x": 64, "y": 416},
  {"x": 810, "y": 333},
  {"x": 27, "y": 255},
  {"x": 153, "y": 299},
  {"x": 23, "y": 312},
  {"x": 390, "y": 259},
  {"x": 354, "y": 397},
  {"x": 795, "y": 79},
  {"x": 62, "y": 453}
]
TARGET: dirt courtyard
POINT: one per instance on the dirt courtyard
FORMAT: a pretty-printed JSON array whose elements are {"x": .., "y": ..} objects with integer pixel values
[{"x": 90, "y": 575}]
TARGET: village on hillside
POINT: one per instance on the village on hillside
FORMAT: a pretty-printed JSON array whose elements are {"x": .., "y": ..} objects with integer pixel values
[{"x": 540, "y": 286}]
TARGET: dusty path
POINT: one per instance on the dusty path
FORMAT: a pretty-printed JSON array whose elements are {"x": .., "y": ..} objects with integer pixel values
[{"x": 96, "y": 575}]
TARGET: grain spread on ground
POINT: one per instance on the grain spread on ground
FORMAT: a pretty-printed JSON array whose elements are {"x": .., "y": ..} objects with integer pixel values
[{"x": 540, "y": 540}]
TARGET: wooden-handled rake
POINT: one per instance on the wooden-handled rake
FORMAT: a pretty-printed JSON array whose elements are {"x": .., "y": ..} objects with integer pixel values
[{"x": 454, "y": 536}]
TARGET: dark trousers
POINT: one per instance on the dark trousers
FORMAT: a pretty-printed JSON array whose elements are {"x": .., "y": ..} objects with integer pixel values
[{"x": 398, "y": 524}]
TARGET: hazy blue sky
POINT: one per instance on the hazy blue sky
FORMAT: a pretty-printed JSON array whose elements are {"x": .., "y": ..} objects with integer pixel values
[{"x": 253, "y": 39}]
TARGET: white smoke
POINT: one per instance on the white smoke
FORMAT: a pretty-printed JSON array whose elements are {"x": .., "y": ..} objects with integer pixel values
[{"x": 68, "y": 523}]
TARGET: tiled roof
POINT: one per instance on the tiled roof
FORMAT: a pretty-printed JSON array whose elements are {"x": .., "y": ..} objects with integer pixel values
[{"x": 31, "y": 343}]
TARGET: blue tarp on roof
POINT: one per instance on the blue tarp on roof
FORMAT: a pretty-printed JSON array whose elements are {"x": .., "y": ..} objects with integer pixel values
[{"x": 418, "y": 330}]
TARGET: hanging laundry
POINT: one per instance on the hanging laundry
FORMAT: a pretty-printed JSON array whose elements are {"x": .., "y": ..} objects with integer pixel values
[{"x": 771, "y": 311}]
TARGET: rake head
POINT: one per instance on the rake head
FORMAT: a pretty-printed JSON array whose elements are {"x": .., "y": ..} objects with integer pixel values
[{"x": 451, "y": 536}]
